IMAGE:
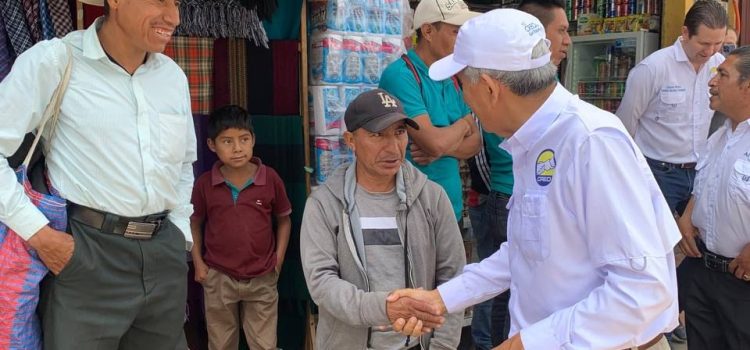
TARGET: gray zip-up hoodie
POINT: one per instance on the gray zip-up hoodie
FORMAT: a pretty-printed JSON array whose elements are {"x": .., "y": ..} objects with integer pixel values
[{"x": 335, "y": 275}]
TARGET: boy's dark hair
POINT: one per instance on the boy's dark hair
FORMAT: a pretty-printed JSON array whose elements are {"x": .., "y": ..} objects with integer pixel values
[
  {"x": 541, "y": 9},
  {"x": 228, "y": 117},
  {"x": 708, "y": 13}
]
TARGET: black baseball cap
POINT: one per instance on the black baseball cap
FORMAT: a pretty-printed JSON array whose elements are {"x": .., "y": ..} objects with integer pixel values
[{"x": 375, "y": 110}]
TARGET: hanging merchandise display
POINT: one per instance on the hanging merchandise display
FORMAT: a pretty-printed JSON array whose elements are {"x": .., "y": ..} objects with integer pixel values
[
  {"x": 352, "y": 42},
  {"x": 221, "y": 19}
]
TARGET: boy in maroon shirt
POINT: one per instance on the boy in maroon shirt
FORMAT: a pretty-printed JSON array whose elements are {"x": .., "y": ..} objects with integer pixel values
[{"x": 237, "y": 255}]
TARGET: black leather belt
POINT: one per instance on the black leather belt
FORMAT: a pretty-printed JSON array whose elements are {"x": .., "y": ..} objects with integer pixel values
[
  {"x": 672, "y": 165},
  {"x": 143, "y": 227},
  {"x": 713, "y": 261}
]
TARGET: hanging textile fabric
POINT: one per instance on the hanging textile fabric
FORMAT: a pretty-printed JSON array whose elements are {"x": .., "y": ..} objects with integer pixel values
[
  {"x": 48, "y": 29},
  {"x": 195, "y": 57},
  {"x": 6, "y": 56},
  {"x": 62, "y": 20},
  {"x": 220, "y": 19},
  {"x": 286, "y": 61},
  {"x": 260, "y": 89},
  {"x": 221, "y": 73},
  {"x": 31, "y": 10},
  {"x": 16, "y": 27},
  {"x": 264, "y": 8},
  {"x": 239, "y": 78}
]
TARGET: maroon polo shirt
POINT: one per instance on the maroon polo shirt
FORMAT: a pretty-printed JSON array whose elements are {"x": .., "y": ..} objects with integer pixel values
[{"x": 238, "y": 237}]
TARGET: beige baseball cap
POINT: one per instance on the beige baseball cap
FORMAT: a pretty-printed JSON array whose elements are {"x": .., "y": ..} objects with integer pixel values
[
  {"x": 93, "y": 2},
  {"x": 454, "y": 12}
]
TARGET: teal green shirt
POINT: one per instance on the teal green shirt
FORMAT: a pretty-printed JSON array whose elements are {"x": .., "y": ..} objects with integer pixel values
[
  {"x": 501, "y": 164},
  {"x": 236, "y": 191},
  {"x": 445, "y": 105}
]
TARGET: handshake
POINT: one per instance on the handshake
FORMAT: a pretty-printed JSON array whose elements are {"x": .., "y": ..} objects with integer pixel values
[{"x": 413, "y": 312}]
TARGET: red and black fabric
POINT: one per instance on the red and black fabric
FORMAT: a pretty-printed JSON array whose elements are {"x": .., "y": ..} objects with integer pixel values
[
  {"x": 6, "y": 53},
  {"x": 91, "y": 13},
  {"x": 62, "y": 19},
  {"x": 221, "y": 74},
  {"x": 286, "y": 60},
  {"x": 31, "y": 10},
  {"x": 238, "y": 78},
  {"x": 195, "y": 56}
]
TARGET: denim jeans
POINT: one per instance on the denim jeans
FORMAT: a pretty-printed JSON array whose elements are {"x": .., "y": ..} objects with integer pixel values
[
  {"x": 676, "y": 184},
  {"x": 489, "y": 220}
]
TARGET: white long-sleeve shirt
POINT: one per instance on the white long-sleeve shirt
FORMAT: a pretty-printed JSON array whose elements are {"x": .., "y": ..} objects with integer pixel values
[
  {"x": 665, "y": 107},
  {"x": 722, "y": 191},
  {"x": 124, "y": 144},
  {"x": 589, "y": 254}
]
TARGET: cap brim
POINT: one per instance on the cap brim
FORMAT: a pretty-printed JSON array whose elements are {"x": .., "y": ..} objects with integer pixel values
[
  {"x": 445, "y": 68},
  {"x": 93, "y": 2},
  {"x": 380, "y": 123},
  {"x": 461, "y": 18}
]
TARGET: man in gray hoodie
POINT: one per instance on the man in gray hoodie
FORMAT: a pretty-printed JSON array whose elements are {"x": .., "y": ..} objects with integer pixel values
[{"x": 375, "y": 226}]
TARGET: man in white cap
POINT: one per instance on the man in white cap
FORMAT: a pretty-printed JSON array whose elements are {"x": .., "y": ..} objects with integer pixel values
[
  {"x": 122, "y": 156},
  {"x": 589, "y": 257},
  {"x": 447, "y": 131}
]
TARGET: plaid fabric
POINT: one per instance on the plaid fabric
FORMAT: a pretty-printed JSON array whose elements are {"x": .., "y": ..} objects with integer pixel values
[
  {"x": 48, "y": 29},
  {"x": 61, "y": 17},
  {"x": 195, "y": 57},
  {"x": 238, "y": 78},
  {"x": 31, "y": 9},
  {"x": 6, "y": 56},
  {"x": 21, "y": 270},
  {"x": 15, "y": 25}
]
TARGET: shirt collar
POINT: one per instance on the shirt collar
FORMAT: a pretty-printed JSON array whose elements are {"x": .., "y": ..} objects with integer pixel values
[
  {"x": 92, "y": 47},
  {"x": 679, "y": 51},
  {"x": 418, "y": 62},
  {"x": 534, "y": 128},
  {"x": 217, "y": 178}
]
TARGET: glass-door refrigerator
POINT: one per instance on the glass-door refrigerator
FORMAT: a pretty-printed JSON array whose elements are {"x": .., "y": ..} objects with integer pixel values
[{"x": 598, "y": 65}]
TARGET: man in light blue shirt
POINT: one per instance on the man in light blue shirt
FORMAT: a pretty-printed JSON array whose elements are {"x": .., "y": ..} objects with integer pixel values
[
  {"x": 122, "y": 156},
  {"x": 447, "y": 132}
]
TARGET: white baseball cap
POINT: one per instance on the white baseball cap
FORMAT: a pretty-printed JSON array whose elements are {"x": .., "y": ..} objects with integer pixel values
[
  {"x": 501, "y": 39},
  {"x": 454, "y": 12}
]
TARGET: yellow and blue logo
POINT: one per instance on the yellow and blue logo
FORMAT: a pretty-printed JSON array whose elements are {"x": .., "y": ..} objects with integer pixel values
[{"x": 545, "y": 167}]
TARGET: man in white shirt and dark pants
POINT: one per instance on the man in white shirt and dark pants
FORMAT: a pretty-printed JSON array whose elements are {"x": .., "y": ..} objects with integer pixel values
[
  {"x": 716, "y": 224},
  {"x": 122, "y": 156},
  {"x": 589, "y": 257},
  {"x": 665, "y": 105}
]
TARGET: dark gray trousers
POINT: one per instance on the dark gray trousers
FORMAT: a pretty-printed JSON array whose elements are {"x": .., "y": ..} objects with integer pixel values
[{"x": 117, "y": 293}]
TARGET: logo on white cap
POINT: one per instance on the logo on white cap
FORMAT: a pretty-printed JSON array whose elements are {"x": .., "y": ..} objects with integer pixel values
[{"x": 502, "y": 40}]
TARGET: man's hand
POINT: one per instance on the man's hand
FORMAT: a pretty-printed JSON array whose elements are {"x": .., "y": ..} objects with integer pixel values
[
  {"x": 514, "y": 343},
  {"x": 689, "y": 232},
  {"x": 427, "y": 307},
  {"x": 740, "y": 266},
  {"x": 420, "y": 156},
  {"x": 407, "y": 307},
  {"x": 201, "y": 270},
  {"x": 55, "y": 248}
]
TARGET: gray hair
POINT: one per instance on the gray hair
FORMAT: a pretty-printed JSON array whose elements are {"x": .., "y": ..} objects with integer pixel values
[
  {"x": 742, "y": 64},
  {"x": 524, "y": 82}
]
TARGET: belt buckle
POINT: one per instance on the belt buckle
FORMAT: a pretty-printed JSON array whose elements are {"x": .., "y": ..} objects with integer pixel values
[
  {"x": 712, "y": 262},
  {"x": 141, "y": 230}
]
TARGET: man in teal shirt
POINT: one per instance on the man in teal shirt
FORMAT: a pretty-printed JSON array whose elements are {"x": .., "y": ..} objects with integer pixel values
[{"x": 447, "y": 131}]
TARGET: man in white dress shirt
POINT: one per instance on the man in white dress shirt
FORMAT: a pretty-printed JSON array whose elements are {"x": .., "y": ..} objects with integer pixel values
[
  {"x": 589, "y": 257},
  {"x": 665, "y": 105},
  {"x": 122, "y": 156},
  {"x": 715, "y": 227}
]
